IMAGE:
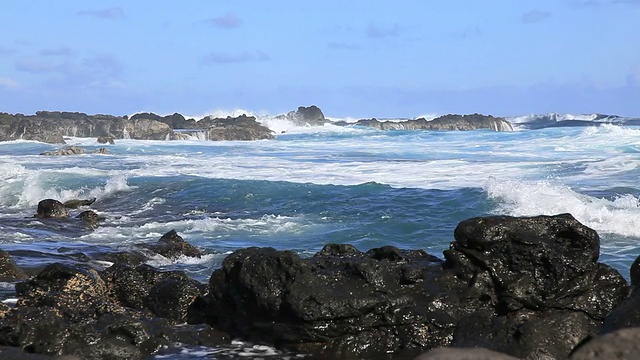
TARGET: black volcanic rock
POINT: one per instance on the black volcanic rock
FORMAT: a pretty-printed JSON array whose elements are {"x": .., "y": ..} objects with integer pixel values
[
  {"x": 305, "y": 116},
  {"x": 447, "y": 122},
  {"x": 171, "y": 245},
  {"x": 120, "y": 313},
  {"x": 9, "y": 271},
  {"x": 51, "y": 208},
  {"x": 527, "y": 287},
  {"x": 175, "y": 121},
  {"x": 239, "y": 128}
]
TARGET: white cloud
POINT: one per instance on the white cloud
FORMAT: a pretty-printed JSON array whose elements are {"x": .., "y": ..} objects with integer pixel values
[{"x": 6, "y": 83}]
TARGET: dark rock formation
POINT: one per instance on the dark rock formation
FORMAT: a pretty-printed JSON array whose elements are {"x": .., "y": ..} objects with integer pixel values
[
  {"x": 69, "y": 150},
  {"x": 171, "y": 245},
  {"x": 305, "y": 116},
  {"x": 447, "y": 122},
  {"x": 9, "y": 271},
  {"x": 106, "y": 140},
  {"x": 90, "y": 217},
  {"x": 50, "y": 208},
  {"x": 73, "y": 150},
  {"x": 51, "y": 127},
  {"x": 120, "y": 313},
  {"x": 238, "y": 128},
  {"x": 175, "y": 121},
  {"x": 76, "y": 203},
  {"x": 527, "y": 287}
]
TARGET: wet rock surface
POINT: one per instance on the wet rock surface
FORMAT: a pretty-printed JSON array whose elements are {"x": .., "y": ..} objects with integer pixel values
[
  {"x": 171, "y": 245},
  {"x": 508, "y": 288},
  {"x": 51, "y": 208},
  {"x": 527, "y": 287}
]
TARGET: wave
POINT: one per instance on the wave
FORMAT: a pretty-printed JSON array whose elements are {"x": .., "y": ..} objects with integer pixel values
[
  {"x": 208, "y": 227},
  {"x": 24, "y": 188},
  {"x": 539, "y": 121},
  {"x": 620, "y": 215}
]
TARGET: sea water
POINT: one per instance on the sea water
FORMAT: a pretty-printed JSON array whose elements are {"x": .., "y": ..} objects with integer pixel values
[{"x": 317, "y": 185}]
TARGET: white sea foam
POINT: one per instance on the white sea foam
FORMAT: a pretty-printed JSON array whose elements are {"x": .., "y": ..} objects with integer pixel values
[
  {"x": 22, "y": 187},
  {"x": 212, "y": 228},
  {"x": 559, "y": 117},
  {"x": 528, "y": 198},
  {"x": 160, "y": 261}
]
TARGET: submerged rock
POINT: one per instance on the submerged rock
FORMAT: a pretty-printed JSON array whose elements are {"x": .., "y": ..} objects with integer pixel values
[
  {"x": 70, "y": 150},
  {"x": 90, "y": 217},
  {"x": 526, "y": 287},
  {"x": 51, "y": 208},
  {"x": 106, "y": 140}
]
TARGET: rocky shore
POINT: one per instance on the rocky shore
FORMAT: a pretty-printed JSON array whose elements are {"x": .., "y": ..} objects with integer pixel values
[
  {"x": 508, "y": 287},
  {"x": 53, "y": 126}
]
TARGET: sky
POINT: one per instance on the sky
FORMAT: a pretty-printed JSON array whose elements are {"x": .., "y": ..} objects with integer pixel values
[{"x": 352, "y": 58}]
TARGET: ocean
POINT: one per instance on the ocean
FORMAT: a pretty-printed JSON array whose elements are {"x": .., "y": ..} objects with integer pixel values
[{"x": 317, "y": 185}]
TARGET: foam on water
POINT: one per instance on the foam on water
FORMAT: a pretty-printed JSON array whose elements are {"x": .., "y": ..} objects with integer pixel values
[
  {"x": 619, "y": 216},
  {"x": 24, "y": 188},
  {"x": 211, "y": 227}
]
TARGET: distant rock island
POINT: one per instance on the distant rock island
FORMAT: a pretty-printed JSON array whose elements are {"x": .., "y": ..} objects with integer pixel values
[
  {"x": 53, "y": 126},
  {"x": 447, "y": 122}
]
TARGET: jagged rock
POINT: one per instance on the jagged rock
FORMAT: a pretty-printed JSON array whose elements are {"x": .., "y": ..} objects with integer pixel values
[
  {"x": 305, "y": 116},
  {"x": 168, "y": 294},
  {"x": 9, "y": 271},
  {"x": 175, "y": 121},
  {"x": 106, "y": 140},
  {"x": 75, "y": 293},
  {"x": 627, "y": 314},
  {"x": 447, "y": 122},
  {"x": 50, "y": 208},
  {"x": 70, "y": 310},
  {"x": 526, "y": 287},
  {"x": 238, "y": 128},
  {"x": 76, "y": 203},
  {"x": 171, "y": 245},
  {"x": 622, "y": 344},
  {"x": 52, "y": 127},
  {"x": 102, "y": 151}
]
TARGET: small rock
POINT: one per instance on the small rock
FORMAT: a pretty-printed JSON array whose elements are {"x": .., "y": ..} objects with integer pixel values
[{"x": 105, "y": 140}]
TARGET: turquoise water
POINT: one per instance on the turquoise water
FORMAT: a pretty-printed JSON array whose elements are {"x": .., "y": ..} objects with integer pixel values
[{"x": 313, "y": 186}]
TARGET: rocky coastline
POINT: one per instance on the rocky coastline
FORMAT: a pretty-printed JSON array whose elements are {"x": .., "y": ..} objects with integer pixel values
[
  {"x": 508, "y": 287},
  {"x": 53, "y": 126}
]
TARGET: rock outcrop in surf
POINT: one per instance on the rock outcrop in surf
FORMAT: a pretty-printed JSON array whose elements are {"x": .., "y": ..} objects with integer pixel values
[
  {"x": 305, "y": 116},
  {"x": 53, "y": 126},
  {"x": 447, "y": 122}
]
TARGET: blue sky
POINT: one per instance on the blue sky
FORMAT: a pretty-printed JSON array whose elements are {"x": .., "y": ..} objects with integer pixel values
[{"x": 352, "y": 58}]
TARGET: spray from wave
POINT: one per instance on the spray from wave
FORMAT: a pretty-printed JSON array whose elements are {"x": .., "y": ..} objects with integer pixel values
[{"x": 529, "y": 198}]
